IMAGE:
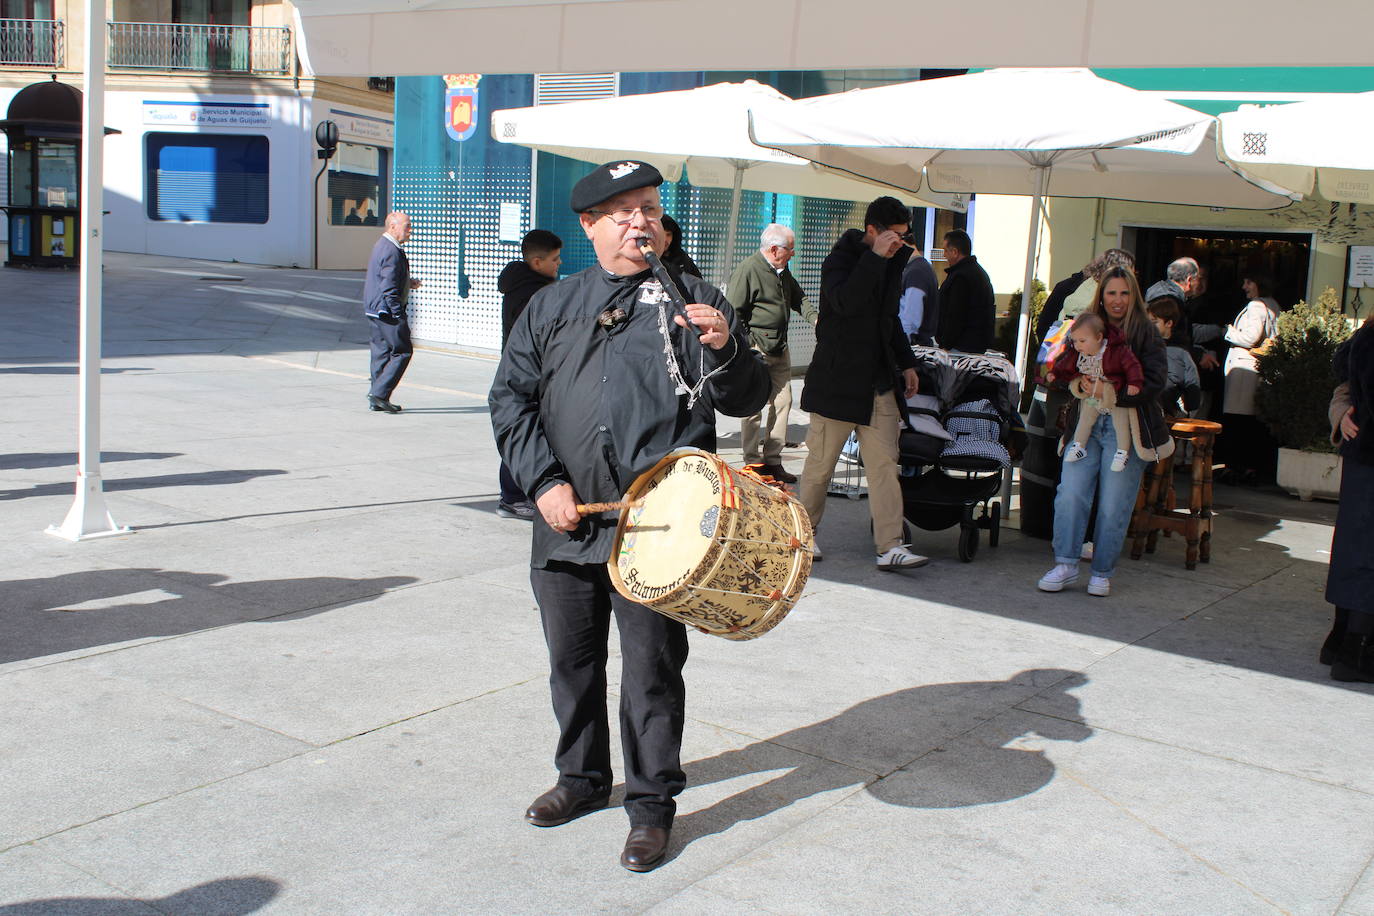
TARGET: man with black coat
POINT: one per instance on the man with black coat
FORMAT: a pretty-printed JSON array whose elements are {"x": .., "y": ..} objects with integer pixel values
[
  {"x": 598, "y": 382},
  {"x": 862, "y": 364},
  {"x": 968, "y": 308}
]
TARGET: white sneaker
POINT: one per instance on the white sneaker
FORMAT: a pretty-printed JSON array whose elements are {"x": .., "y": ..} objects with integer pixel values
[
  {"x": 1054, "y": 581},
  {"x": 1119, "y": 459},
  {"x": 1074, "y": 452},
  {"x": 816, "y": 553},
  {"x": 1087, "y": 552},
  {"x": 900, "y": 558},
  {"x": 1100, "y": 586}
]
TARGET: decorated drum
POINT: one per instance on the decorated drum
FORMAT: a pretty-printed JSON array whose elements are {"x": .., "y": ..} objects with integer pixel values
[{"x": 711, "y": 546}]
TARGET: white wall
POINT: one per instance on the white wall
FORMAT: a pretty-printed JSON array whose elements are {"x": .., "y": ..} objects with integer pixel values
[{"x": 283, "y": 240}]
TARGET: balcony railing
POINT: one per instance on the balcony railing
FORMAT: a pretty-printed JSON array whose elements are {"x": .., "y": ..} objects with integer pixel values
[
  {"x": 32, "y": 43},
  {"x": 215, "y": 48}
]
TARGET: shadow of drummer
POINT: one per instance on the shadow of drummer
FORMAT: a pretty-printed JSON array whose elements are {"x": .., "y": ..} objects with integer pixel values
[{"x": 934, "y": 746}]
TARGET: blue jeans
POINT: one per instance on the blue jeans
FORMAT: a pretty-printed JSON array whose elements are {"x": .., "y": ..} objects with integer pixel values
[{"x": 1116, "y": 494}]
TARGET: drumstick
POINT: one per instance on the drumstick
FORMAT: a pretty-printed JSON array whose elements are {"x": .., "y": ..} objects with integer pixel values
[
  {"x": 594, "y": 508},
  {"x": 669, "y": 285}
]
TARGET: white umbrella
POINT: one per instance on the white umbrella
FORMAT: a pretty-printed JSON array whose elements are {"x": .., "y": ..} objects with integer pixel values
[
  {"x": 1325, "y": 143},
  {"x": 1060, "y": 132},
  {"x": 703, "y": 133}
]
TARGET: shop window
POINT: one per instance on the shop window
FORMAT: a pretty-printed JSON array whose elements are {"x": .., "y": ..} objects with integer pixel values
[
  {"x": 207, "y": 178},
  {"x": 358, "y": 185}
]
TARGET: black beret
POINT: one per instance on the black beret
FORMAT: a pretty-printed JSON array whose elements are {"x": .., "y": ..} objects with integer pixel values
[{"x": 606, "y": 181}]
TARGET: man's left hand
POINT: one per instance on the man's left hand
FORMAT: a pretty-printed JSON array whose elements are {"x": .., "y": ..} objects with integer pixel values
[
  {"x": 414, "y": 283},
  {"x": 912, "y": 382},
  {"x": 715, "y": 330}
]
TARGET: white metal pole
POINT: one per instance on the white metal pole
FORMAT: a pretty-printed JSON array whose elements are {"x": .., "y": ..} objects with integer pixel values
[
  {"x": 1023, "y": 321},
  {"x": 728, "y": 261},
  {"x": 1042, "y": 174},
  {"x": 89, "y": 517}
]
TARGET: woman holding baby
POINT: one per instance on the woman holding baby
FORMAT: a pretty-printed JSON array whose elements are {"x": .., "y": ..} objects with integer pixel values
[{"x": 1116, "y": 370}]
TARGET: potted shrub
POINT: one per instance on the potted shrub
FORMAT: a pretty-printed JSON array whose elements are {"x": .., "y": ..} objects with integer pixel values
[{"x": 1295, "y": 388}]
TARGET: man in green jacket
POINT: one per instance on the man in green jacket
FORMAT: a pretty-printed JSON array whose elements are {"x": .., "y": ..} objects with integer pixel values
[{"x": 764, "y": 294}]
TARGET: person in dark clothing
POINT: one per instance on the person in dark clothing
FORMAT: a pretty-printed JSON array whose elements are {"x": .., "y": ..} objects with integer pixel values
[
  {"x": 674, "y": 255},
  {"x": 968, "y": 308},
  {"x": 541, "y": 254},
  {"x": 1349, "y": 648},
  {"x": 862, "y": 364},
  {"x": 386, "y": 290},
  {"x": 919, "y": 308},
  {"x": 599, "y": 381}
]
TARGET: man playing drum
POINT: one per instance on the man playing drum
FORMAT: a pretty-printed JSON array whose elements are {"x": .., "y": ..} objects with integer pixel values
[{"x": 599, "y": 381}]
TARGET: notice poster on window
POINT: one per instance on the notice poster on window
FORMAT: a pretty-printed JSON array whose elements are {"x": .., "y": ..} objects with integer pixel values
[
  {"x": 1361, "y": 265},
  {"x": 510, "y": 222},
  {"x": 57, "y": 197}
]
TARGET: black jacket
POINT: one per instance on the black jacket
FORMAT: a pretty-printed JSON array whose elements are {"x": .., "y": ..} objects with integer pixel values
[
  {"x": 1354, "y": 363},
  {"x": 517, "y": 283},
  {"x": 968, "y": 308},
  {"x": 860, "y": 347},
  {"x": 576, "y": 402},
  {"x": 1054, "y": 304}
]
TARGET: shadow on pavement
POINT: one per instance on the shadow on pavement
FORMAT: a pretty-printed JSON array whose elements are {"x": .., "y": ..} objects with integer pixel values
[
  {"x": 99, "y": 607},
  {"x": 193, "y": 479},
  {"x": 227, "y": 896},
  {"x": 905, "y": 726},
  {"x": 26, "y": 460}
]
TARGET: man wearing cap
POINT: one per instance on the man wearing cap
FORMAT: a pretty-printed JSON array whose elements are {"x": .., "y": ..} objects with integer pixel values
[{"x": 598, "y": 382}]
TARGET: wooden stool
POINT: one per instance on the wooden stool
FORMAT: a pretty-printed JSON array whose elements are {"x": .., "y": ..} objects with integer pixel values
[{"x": 1155, "y": 505}]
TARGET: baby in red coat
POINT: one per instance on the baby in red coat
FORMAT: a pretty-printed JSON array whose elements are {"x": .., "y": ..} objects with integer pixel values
[{"x": 1100, "y": 366}]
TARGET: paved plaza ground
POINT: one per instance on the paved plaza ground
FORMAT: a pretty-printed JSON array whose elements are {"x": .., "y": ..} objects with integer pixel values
[{"x": 313, "y": 680}]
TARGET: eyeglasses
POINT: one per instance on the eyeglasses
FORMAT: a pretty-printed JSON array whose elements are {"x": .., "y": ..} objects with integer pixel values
[
  {"x": 909, "y": 236},
  {"x": 625, "y": 215}
]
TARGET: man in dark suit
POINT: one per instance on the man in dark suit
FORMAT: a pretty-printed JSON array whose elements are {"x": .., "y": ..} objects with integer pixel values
[
  {"x": 968, "y": 307},
  {"x": 385, "y": 291}
]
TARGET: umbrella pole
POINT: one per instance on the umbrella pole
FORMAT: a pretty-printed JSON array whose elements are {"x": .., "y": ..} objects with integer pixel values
[
  {"x": 1042, "y": 174},
  {"x": 736, "y": 192}
]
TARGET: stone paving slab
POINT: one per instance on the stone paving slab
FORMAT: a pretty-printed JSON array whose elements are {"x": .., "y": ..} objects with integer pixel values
[{"x": 128, "y": 746}]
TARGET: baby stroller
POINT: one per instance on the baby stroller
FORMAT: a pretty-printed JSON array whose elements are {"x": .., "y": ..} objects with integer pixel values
[{"x": 955, "y": 452}]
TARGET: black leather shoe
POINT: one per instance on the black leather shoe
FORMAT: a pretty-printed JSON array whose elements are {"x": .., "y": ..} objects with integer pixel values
[
  {"x": 777, "y": 472},
  {"x": 645, "y": 848},
  {"x": 376, "y": 403},
  {"x": 1355, "y": 660},
  {"x": 560, "y": 805}
]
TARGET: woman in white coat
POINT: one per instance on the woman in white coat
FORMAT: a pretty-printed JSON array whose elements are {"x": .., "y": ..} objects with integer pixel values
[{"x": 1249, "y": 450}]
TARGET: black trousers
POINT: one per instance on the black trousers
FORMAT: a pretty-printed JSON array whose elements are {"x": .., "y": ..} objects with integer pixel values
[
  {"x": 575, "y": 604},
  {"x": 391, "y": 353},
  {"x": 510, "y": 490}
]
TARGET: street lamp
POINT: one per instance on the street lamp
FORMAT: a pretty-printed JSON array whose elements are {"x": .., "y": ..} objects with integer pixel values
[{"x": 327, "y": 139}]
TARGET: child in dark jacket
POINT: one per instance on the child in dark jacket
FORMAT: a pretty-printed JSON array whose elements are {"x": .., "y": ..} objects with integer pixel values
[
  {"x": 1184, "y": 384},
  {"x": 1098, "y": 368}
]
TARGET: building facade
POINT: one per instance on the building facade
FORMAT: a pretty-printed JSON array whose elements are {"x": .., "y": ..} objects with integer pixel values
[
  {"x": 215, "y": 155},
  {"x": 472, "y": 199}
]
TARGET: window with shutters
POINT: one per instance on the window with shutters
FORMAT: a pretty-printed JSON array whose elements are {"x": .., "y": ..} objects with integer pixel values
[{"x": 207, "y": 178}]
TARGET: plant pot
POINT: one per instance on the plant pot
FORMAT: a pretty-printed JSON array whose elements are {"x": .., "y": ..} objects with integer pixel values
[{"x": 1310, "y": 475}]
